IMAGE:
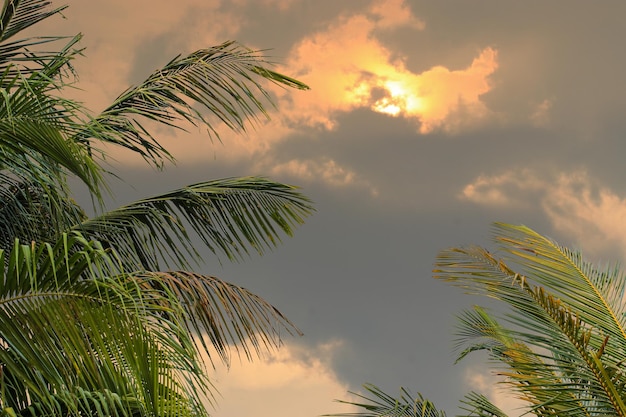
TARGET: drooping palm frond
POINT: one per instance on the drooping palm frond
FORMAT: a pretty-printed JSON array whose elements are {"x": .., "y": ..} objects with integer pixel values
[
  {"x": 224, "y": 316},
  {"x": 224, "y": 80},
  {"x": 229, "y": 216},
  {"x": 380, "y": 404}
]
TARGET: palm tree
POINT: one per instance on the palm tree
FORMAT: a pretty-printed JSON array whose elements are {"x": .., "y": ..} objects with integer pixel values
[
  {"x": 101, "y": 315},
  {"x": 559, "y": 341}
]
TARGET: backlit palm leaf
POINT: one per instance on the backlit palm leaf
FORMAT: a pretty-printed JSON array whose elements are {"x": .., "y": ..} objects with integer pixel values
[
  {"x": 223, "y": 315},
  {"x": 565, "y": 339},
  {"x": 479, "y": 406},
  {"x": 558, "y": 336}
]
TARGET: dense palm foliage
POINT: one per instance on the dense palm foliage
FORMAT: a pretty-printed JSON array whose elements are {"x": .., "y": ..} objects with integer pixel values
[
  {"x": 559, "y": 341},
  {"x": 99, "y": 315}
]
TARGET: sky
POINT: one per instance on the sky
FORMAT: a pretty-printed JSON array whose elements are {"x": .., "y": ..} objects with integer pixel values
[{"x": 426, "y": 121}]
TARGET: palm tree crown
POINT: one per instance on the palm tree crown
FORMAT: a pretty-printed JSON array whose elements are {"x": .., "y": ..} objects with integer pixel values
[
  {"x": 560, "y": 341},
  {"x": 99, "y": 315}
]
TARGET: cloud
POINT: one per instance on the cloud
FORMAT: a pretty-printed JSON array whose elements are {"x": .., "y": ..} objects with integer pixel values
[
  {"x": 327, "y": 170},
  {"x": 348, "y": 67},
  {"x": 355, "y": 34},
  {"x": 346, "y": 62},
  {"x": 394, "y": 13},
  {"x": 576, "y": 205},
  {"x": 292, "y": 382},
  {"x": 593, "y": 215},
  {"x": 118, "y": 33},
  {"x": 509, "y": 189},
  {"x": 540, "y": 117}
]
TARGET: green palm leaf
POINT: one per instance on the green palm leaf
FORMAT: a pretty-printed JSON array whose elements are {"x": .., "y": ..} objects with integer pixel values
[
  {"x": 24, "y": 56},
  {"x": 88, "y": 323},
  {"x": 43, "y": 288},
  {"x": 31, "y": 212},
  {"x": 479, "y": 406},
  {"x": 557, "y": 337},
  {"x": 73, "y": 322},
  {"x": 35, "y": 126},
  {"x": 18, "y": 15},
  {"x": 229, "y": 216},
  {"x": 559, "y": 351},
  {"x": 380, "y": 404},
  {"x": 550, "y": 386},
  {"x": 595, "y": 296},
  {"x": 225, "y": 80}
]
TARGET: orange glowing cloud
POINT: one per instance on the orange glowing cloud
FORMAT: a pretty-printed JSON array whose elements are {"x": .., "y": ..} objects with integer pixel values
[
  {"x": 282, "y": 379},
  {"x": 348, "y": 68}
]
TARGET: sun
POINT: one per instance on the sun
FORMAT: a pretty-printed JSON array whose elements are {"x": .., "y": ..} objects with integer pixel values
[
  {"x": 387, "y": 106},
  {"x": 399, "y": 98}
]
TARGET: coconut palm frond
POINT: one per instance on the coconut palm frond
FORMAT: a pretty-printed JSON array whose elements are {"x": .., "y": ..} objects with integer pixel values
[
  {"x": 223, "y": 316},
  {"x": 562, "y": 344},
  {"x": 18, "y": 15},
  {"x": 77, "y": 329},
  {"x": 380, "y": 404},
  {"x": 224, "y": 81},
  {"x": 230, "y": 216},
  {"x": 35, "y": 124},
  {"x": 477, "y": 405},
  {"x": 594, "y": 295},
  {"x": 28, "y": 55},
  {"x": 86, "y": 326},
  {"x": 39, "y": 148},
  {"x": 30, "y": 212},
  {"x": 531, "y": 375}
]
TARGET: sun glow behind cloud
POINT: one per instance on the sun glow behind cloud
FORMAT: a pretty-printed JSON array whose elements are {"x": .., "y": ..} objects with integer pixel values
[
  {"x": 400, "y": 99},
  {"x": 346, "y": 62},
  {"x": 348, "y": 67}
]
